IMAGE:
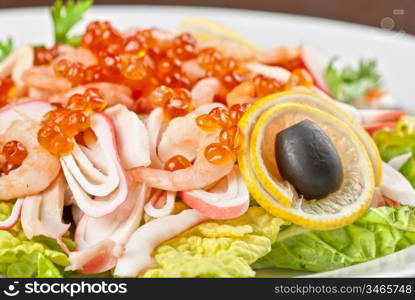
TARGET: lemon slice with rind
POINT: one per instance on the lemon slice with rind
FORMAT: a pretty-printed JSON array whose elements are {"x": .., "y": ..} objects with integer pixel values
[
  {"x": 328, "y": 106},
  {"x": 279, "y": 197},
  {"x": 204, "y": 30}
]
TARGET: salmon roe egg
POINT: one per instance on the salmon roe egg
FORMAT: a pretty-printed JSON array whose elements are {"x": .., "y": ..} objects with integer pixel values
[
  {"x": 221, "y": 115},
  {"x": 232, "y": 137},
  {"x": 74, "y": 72},
  {"x": 14, "y": 152},
  {"x": 6, "y": 90},
  {"x": 51, "y": 137},
  {"x": 217, "y": 153},
  {"x": 179, "y": 105},
  {"x": 236, "y": 112},
  {"x": 161, "y": 95},
  {"x": 44, "y": 56},
  {"x": 207, "y": 123},
  {"x": 299, "y": 77},
  {"x": 175, "y": 102},
  {"x": 266, "y": 86},
  {"x": 177, "y": 162}
]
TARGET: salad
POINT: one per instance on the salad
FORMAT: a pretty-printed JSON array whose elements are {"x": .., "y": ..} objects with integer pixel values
[{"x": 147, "y": 153}]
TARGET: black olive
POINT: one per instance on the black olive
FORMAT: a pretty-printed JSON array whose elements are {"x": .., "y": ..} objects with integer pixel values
[{"x": 307, "y": 159}]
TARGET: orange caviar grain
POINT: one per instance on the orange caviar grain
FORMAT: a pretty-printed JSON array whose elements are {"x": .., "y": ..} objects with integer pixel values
[
  {"x": 161, "y": 95},
  {"x": 95, "y": 101},
  {"x": 207, "y": 122},
  {"x": 51, "y": 137},
  {"x": 72, "y": 71},
  {"x": 74, "y": 122},
  {"x": 76, "y": 102},
  {"x": 6, "y": 90},
  {"x": 236, "y": 111},
  {"x": 14, "y": 152},
  {"x": 177, "y": 107},
  {"x": 44, "y": 55},
  {"x": 299, "y": 77},
  {"x": 208, "y": 57},
  {"x": 217, "y": 154},
  {"x": 232, "y": 137},
  {"x": 135, "y": 67},
  {"x": 266, "y": 86},
  {"x": 177, "y": 162},
  {"x": 221, "y": 115}
]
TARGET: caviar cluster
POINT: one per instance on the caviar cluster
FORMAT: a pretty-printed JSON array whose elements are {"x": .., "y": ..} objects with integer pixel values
[
  {"x": 13, "y": 154},
  {"x": 226, "y": 69},
  {"x": 230, "y": 136},
  {"x": 175, "y": 102},
  {"x": 62, "y": 125},
  {"x": 264, "y": 85},
  {"x": 44, "y": 56},
  {"x": 6, "y": 90},
  {"x": 140, "y": 60}
]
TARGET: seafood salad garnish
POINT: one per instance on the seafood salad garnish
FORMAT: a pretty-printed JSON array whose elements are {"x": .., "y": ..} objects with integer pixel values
[{"x": 148, "y": 153}]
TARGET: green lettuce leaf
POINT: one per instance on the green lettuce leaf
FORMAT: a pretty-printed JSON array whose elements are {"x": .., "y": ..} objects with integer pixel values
[
  {"x": 349, "y": 84},
  {"x": 218, "y": 249},
  {"x": 20, "y": 257},
  {"x": 381, "y": 231}
]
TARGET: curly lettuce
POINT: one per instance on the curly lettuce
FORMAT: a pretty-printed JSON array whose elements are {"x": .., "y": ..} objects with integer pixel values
[
  {"x": 381, "y": 231},
  {"x": 218, "y": 248},
  {"x": 20, "y": 257}
]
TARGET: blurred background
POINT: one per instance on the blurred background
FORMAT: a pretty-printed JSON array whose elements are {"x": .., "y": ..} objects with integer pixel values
[{"x": 398, "y": 15}]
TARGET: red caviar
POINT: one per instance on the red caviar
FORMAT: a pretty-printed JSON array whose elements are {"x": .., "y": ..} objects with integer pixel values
[
  {"x": 6, "y": 90},
  {"x": 230, "y": 136},
  {"x": 44, "y": 56},
  {"x": 61, "y": 125},
  {"x": 177, "y": 162},
  {"x": 14, "y": 153},
  {"x": 217, "y": 153},
  {"x": 175, "y": 102}
]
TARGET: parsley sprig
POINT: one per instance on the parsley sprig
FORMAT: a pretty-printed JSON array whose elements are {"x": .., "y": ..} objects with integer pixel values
[
  {"x": 350, "y": 84},
  {"x": 6, "y": 48},
  {"x": 64, "y": 16}
]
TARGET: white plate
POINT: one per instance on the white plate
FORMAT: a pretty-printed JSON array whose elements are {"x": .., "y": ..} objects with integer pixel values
[{"x": 394, "y": 52}]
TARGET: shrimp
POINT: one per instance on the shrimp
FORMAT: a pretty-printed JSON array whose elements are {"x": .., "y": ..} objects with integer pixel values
[
  {"x": 204, "y": 91},
  {"x": 43, "y": 78},
  {"x": 192, "y": 70},
  {"x": 79, "y": 54},
  {"x": 38, "y": 170},
  {"x": 279, "y": 55},
  {"x": 242, "y": 93},
  {"x": 16, "y": 64},
  {"x": 229, "y": 48},
  {"x": 112, "y": 93},
  {"x": 198, "y": 176}
]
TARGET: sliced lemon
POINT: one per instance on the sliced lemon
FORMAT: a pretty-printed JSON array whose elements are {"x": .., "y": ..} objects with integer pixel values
[
  {"x": 260, "y": 125},
  {"x": 204, "y": 30},
  {"x": 327, "y": 105}
]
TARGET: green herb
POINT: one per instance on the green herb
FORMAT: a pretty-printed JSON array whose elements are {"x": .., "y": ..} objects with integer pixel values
[
  {"x": 350, "y": 84},
  {"x": 65, "y": 16},
  {"x": 5, "y": 48}
]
